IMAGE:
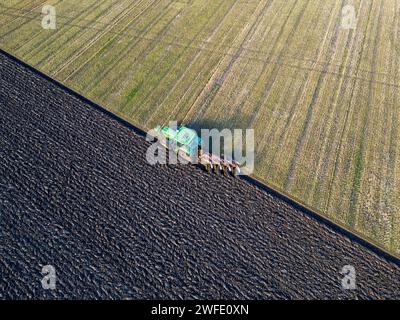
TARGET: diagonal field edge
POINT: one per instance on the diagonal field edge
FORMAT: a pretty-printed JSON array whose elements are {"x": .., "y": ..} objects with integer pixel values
[{"x": 261, "y": 184}]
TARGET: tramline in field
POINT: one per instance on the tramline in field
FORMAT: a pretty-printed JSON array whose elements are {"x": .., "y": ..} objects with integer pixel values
[{"x": 187, "y": 145}]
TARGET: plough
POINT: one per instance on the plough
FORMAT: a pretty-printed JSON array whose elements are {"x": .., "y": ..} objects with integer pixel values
[{"x": 187, "y": 144}]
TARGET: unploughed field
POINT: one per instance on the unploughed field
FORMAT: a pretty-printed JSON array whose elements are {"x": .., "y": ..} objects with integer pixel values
[{"x": 323, "y": 100}]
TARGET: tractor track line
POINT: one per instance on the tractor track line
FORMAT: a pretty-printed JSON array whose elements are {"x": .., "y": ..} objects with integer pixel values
[
  {"x": 257, "y": 52},
  {"x": 215, "y": 83},
  {"x": 394, "y": 134},
  {"x": 355, "y": 191},
  {"x": 327, "y": 148},
  {"x": 213, "y": 70},
  {"x": 109, "y": 42},
  {"x": 43, "y": 45},
  {"x": 267, "y": 136},
  {"x": 36, "y": 15},
  {"x": 23, "y": 17},
  {"x": 269, "y": 61},
  {"x": 126, "y": 50},
  {"x": 274, "y": 72},
  {"x": 319, "y": 86},
  {"x": 73, "y": 37},
  {"x": 88, "y": 45},
  {"x": 297, "y": 97},
  {"x": 345, "y": 123},
  {"x": 176, "y": 60},
  {"x": 195, "y": 56},
  {"x": 192, "y": 62},
  {"x": 265, "y": 34}
]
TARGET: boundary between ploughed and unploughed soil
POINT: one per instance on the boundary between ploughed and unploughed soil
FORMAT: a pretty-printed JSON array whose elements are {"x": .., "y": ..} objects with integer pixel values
[{"x": 260, "y": 183}]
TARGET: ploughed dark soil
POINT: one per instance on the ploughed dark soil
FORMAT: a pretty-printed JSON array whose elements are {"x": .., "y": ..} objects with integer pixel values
[{"x": 77, "y": 193}]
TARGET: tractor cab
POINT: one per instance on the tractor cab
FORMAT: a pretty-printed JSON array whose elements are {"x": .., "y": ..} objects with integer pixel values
[{"x": 182, "y": 140}]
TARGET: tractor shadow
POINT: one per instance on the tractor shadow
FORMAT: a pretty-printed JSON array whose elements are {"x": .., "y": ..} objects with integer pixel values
[
  {"x": 231, "y": 123},
  {"x": 227, "y": 144}
]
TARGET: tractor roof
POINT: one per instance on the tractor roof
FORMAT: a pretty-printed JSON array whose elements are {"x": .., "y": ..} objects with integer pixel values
[
  {"x": 168, "y": 132},
  {"x": 182, "y": 135},
  {"x": 186, "y": 136}
]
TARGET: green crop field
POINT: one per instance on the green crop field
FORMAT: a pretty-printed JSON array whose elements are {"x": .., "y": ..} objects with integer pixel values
[{"x": 323, "y": 100}]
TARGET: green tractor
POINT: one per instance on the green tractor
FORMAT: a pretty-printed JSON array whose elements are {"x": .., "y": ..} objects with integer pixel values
[
  {"x": 186, "y": 143},
  {"x": 183, "y": 141}
]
